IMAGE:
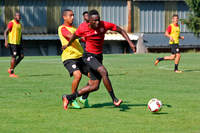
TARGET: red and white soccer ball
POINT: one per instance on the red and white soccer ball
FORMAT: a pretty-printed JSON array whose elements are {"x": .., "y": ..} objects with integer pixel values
[{"x": 154, "y": 105}]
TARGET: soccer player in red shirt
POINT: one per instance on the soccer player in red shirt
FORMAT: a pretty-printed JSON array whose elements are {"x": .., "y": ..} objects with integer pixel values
[
  {"x": 85, "y": 16},
  {"x": 94, "y": 33},
  {"x": 13, "y": 40}
]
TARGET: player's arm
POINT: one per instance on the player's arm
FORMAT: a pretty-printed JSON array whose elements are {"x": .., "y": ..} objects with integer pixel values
[
  {"x": 167, "y": 33},
  {"x": 76, "y": 35},
  {"x": 181, "y": 37},
  {"x": 8, "y": 28},
  {"x": 71, "y": 38},
  {"x": 68, "y": 35},
  {"x": 125, "y": 35},
  {"x": 6, "y": 37}
]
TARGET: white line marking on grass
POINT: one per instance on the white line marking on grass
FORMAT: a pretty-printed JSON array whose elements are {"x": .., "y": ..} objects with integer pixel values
[
  {"x": 37, "y": 60},
  {"x": 166, "y": 67}
]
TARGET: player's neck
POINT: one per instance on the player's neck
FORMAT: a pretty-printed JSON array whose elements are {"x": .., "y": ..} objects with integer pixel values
[
  {"x": 67, "y": 24},
  {"x": 17, "y": 21},
  {"x": 176, "y": 24}
]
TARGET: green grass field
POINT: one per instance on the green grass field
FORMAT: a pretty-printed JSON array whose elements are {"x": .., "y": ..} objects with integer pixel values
[{"x": 32, "y": 103}]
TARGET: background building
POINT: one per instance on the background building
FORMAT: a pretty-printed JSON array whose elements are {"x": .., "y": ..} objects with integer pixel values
[{"x": 41, "y": 18}]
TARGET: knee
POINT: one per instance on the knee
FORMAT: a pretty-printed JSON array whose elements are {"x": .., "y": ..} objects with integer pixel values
[
  {"x": 14, "y": 57},
  {"x": 173, "y": 57},
  {"x": 94, "y": 86},
  {"x": 103, "y": 72},
  {"x": 21, "y": 56},
  {"x": 178, "y": 55},
  {"x": 77, "y": 76}
]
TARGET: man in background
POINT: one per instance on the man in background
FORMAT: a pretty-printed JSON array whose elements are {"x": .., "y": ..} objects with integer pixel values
[
  {"x": 13, "y": 40},
  {"x": 173, "y": 33}
]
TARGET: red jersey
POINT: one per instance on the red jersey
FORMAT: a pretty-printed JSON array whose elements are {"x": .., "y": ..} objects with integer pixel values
[{"x": 94, "y": 38}]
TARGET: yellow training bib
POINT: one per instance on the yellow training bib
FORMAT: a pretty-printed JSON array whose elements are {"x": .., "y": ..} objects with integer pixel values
[
  {"x": 75, "y": 50},
  {"x": 14, "y": 36},
  {"x": 175, "y": 33}
]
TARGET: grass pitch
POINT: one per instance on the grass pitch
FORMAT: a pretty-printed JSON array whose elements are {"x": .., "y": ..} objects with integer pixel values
[{"x": 32, "y": 103}]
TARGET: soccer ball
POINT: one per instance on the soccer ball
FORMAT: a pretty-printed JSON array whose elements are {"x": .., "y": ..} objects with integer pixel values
[{"x": 154, "y": 105}]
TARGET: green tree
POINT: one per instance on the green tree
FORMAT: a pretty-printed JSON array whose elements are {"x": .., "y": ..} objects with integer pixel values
[{"x": 193, "y": 20}]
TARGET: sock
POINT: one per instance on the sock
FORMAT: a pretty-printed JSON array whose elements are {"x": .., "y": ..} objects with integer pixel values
[
  {"x": 176, "y": 67},
  {"x": 12, "y": 71},
  {"x": 72, "y": 96},
  {"x": 113, "y": 96},
  {"x": 160, "y": 59},
  {"x": 85, "y": 96}
]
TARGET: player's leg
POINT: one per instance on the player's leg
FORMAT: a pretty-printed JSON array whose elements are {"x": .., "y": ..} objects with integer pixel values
[
  {"x": 95, "y": 63},
  {"x": 19, "y": 59},
  {"x": 94, "y": 86},
  {"x": 107, "y": 83},
  {"x": 13, "y": 51},
  {"x": 84, "y": 70},
  {"x": 75, "y": 83},
  {"x": 73, "y": 69},
  {"x": 176, "y": 61},
  {"x": 84, "y": 99},
  {"x": 77, "y": 77},
  {"x": 171, "y": 57},
  {"x": 20, "y": 54}
]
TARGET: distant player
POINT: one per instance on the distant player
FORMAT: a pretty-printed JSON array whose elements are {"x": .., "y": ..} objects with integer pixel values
[
  {"x": 13, "y": 40},
  {"x": 86, "y": 17},
  {"x": 94, "y": 33},
  {"x": 72, "y": 55},
  {"x": 173, "y": 33}
]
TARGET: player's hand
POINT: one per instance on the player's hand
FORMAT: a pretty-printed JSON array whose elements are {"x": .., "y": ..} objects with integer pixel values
[
  {"x": 171, "y": 38},
  {"x": 182, "y": 37},
  {"x": 64, "y": 47},
  {"x": 6, "y": 44},
  {"x": 133, "y": 48}
]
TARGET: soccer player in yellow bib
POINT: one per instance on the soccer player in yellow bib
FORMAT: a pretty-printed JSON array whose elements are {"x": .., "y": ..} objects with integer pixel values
[
  {"x": 72, "y": 55},
  {"x": 13, "y": 40},
  {"x": 173, "y": 33}
]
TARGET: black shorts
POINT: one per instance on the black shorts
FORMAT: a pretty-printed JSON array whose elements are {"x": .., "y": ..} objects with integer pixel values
[
  {"x": 93, "y": 61},
  {"x": 76, "y": 64},
  {"x": 16, "y": 50},
  {"x": 175, "y": 48}
]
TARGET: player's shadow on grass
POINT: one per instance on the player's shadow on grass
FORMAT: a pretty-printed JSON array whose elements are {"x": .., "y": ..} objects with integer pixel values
[
  {"x": 118, "y": 74},
  {"x": 160, "y": 113},
  {"x": 126, "y": 106},
  {"x": 189, "y": 70},
  {"x": 167, "y": 105},
  {"x": 123, "y": 107},
  {"x": 41, "y": 75}
]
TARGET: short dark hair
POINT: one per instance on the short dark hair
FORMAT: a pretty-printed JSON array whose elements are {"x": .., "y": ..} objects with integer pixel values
[
  {"x": 66, "y": 10},
  {"x": 93, "y": 12},
  {"x": 85, "y": 12},
  {"x": 17, "y": 12},
  {"x": 175, "y": 15}
]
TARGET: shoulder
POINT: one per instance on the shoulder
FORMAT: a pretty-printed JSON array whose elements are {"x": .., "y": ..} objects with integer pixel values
[
  {"x": 107, "y": 24},
  {"x": 60, "y": 27},
  {"x": 74, "y": 27},
  {"x": 82, "y": 27},
  {"x": 11, "y": 22},
  {"x": 170, "y": 26},
  {"x": 84, "y": 24}
]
